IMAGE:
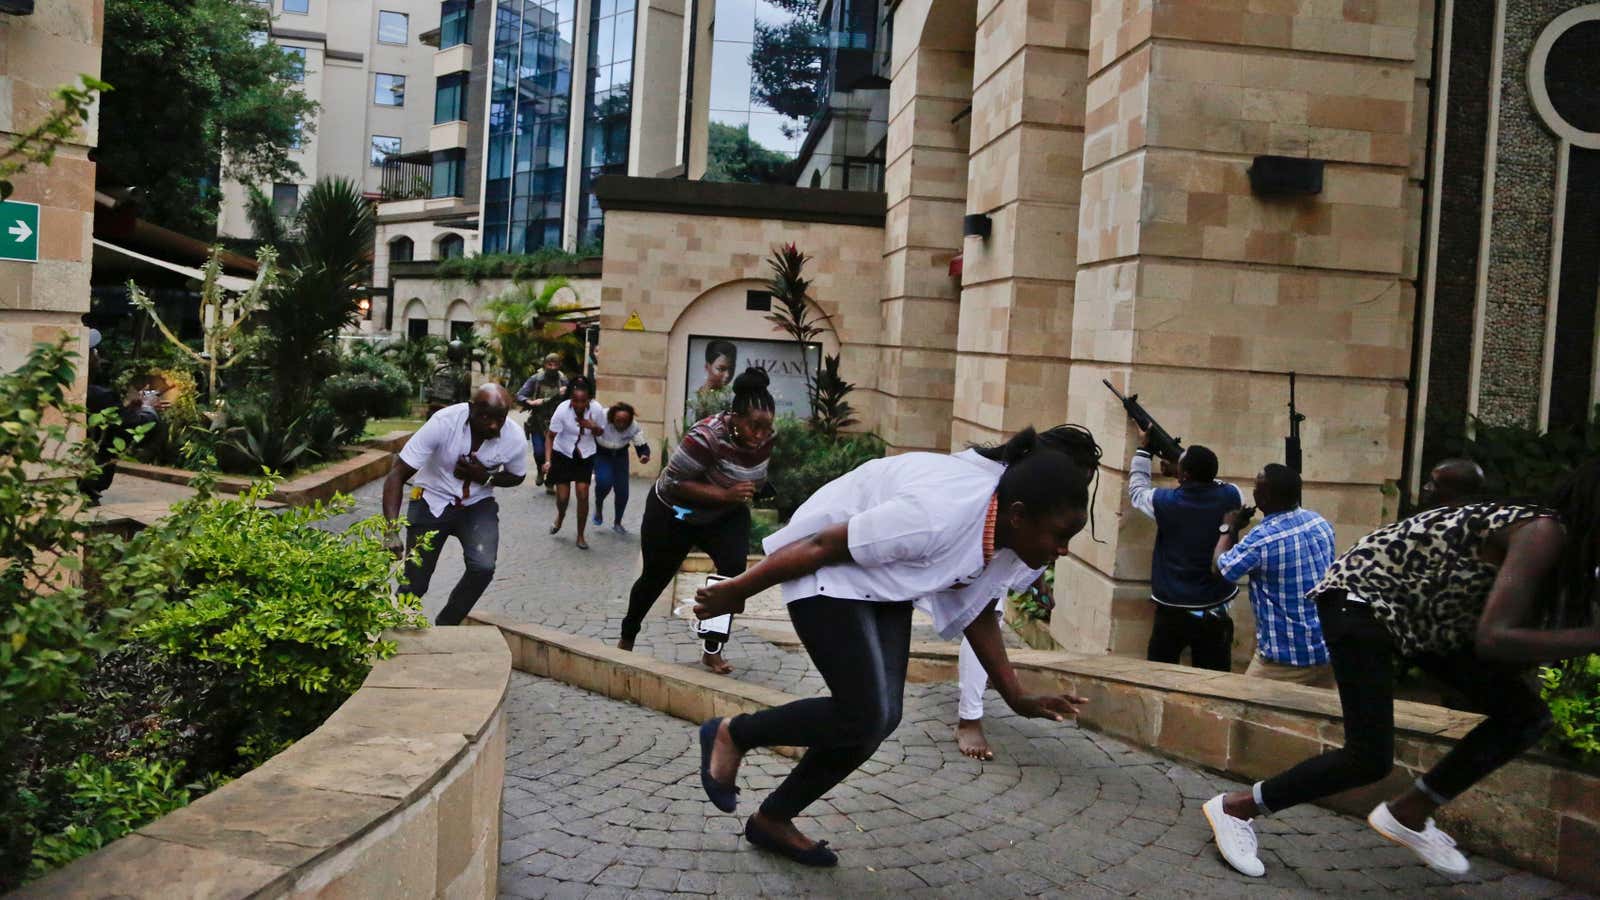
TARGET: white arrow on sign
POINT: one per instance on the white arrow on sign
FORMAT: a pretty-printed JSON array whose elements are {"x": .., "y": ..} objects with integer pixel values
[{"x": 20, "y": 231}]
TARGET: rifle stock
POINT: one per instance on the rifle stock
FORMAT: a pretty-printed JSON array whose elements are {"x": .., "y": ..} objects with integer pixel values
[{"x": 1161, "y": 443}]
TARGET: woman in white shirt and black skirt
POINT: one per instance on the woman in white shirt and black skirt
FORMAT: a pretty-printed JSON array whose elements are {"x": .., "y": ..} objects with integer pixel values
[
  {"x": 569, "y": 450},
  {"x": 942, "y": 531}
]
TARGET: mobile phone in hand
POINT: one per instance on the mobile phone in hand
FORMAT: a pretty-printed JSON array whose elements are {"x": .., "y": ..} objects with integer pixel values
[{"x": 717, "y": 627}]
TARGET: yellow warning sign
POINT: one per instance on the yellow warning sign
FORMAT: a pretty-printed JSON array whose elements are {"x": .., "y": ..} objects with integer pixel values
[{"x": 633, "y": 323}]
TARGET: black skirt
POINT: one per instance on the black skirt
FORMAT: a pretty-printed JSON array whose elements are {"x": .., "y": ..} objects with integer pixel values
[{"x": 565, "y": 469}]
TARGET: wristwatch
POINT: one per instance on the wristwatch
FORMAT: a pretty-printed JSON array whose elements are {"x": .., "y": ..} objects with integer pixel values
[{"x": 1224, "y": 528}]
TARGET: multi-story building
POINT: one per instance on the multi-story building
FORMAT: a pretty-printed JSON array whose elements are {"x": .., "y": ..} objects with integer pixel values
[{"x": 364, "y": 63}]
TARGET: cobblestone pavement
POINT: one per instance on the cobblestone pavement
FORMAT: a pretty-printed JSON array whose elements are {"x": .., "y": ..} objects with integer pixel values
[
  {"x": 614, "y": 809},
  {"x": 602, "y": 798}
]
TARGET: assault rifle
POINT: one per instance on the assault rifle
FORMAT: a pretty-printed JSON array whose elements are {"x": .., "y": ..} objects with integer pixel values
[
  {"x": 1291, "y": 444},
  {"x": 1162, "y": 444}
]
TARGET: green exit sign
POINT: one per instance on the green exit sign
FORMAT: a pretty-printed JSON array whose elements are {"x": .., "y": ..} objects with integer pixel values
[{"x": 19, "y": 231}]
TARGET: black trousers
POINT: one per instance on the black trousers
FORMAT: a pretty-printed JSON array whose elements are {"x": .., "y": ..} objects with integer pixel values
[
  {"x": 1208, "y": 636},
  {"x": 861, "y": 648},
  {"x": 1364, "y": 665},
  {"x": 477, "y": 527},
  {"x": 665, "y": 541}
]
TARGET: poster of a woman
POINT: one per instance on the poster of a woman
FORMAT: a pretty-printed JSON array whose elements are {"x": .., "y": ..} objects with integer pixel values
[{"x": 714, "y": 361}]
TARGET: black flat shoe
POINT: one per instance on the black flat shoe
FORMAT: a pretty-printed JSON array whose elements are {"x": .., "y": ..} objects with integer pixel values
[
  {"x": 723, "y": 796},
  {"x": 819, "y": 856}
]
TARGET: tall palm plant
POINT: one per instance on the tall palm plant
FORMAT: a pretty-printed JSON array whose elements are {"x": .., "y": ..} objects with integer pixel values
[
  {"x": 324, "y": 274},
  {"x": 527, "y": 323}
]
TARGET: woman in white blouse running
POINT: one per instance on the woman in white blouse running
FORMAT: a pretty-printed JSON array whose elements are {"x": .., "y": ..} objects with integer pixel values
[
  {"x": 952, "y": 535},
  {"x": 569, "y": 451}
]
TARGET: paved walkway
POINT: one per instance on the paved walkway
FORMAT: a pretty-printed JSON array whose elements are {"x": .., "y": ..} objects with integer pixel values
[{"x": 602, "y": 799}]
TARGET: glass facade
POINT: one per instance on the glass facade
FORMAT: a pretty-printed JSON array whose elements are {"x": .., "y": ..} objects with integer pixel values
[
  {"x": 608, "y": 106},
  {"x": 389, "y": 90},
  {"x": 450, "y": 98},
  {"x": 766, "y": 83},
  {"x": 529, "y": 101},
  {"x": 383, "y": 147},
  {"x": 297, "y": 63},
  {"x": 455, "y": 23},
  {"x": 393, "y": 27},
  {"x": 297, "y": 6},
  {"x": 449, "y": 169}
]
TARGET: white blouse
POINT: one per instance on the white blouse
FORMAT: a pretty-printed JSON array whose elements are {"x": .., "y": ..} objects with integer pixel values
[
  {"x": 570, "y": 435},
  {"x": 915, "y": 533}
]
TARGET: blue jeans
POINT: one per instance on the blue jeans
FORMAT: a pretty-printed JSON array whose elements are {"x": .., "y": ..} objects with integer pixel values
[
  {"x": 536, "y": 442},
  {"x": 610, "y": 474},
  {"x": 477, "y": 527}
]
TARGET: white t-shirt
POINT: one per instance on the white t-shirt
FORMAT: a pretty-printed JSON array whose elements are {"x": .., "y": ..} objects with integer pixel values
[
  {"x": 569, "y": 435},
  {"x": 447, "y": 437},
  {"x": 915, "y": 533}
]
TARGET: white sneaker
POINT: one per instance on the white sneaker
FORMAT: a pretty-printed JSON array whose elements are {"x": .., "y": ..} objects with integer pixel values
[
  {"x": 1235, "y": 838},
  {"x": 1437, "y": 849}
]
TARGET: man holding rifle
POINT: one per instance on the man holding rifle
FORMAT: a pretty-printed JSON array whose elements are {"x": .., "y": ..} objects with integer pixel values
[{"x": 1191, "y": 599}]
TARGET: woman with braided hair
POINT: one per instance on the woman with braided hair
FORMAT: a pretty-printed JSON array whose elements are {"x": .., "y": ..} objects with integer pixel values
[
  {"x": 1475, "y": 595},
  {"x": 1079, "y": 445},
  {"x": 945, "y": 532}
]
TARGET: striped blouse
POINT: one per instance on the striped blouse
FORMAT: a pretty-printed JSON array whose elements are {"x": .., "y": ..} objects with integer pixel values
[{"x": 709, "y": 453}]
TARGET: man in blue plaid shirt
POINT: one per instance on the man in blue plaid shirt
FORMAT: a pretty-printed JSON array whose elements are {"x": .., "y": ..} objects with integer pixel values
[{"x": 1285, "y": 556}]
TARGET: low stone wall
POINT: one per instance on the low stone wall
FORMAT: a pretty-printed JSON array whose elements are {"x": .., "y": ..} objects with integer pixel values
[
  {"x": 339, "y": 478},
  {"x": 397, "y": 795},
  {"x": 1537, "y": 812},
  {"x": 389, "y": 442}
]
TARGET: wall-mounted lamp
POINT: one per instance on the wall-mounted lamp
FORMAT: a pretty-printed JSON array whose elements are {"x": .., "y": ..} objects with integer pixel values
[
  {"x": 976, "y": 225},
  {"x": 1285, "y": 176}
]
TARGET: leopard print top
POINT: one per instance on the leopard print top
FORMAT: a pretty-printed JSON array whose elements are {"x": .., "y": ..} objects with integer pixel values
[{"x": 1423, "y": 575}]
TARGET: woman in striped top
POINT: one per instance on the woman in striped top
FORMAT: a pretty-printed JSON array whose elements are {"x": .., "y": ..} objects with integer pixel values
[{"x": 702, "y": 500}]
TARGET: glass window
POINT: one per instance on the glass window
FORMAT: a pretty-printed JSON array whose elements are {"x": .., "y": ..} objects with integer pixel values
[
  {"x": 393, "y": 27},
  {"x": 448, "y": 170},
  {"x": 451, "y": 246},
  {"x": 258, "y": 38},
  {"x": 297, "y": 6},
  {"x": 383, "y": 146},
  {"x": 460, "y": 331},
  {"x": 297, "y": 140},
  {"x": 531, "y": 85},
  {"x": 285, "y": 199},
  {"x": 450, "y": 98},
  {"x": 416, "y": 329},
  {"x": 455, "y": 23},
  {"x": 400, "y": 249},
  {"x": 389, "y": 90},
  {"x": 297, "y": 62}
]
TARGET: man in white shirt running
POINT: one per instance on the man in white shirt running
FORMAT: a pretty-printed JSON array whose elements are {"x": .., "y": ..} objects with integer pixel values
[{"x": 458, "y": 457}]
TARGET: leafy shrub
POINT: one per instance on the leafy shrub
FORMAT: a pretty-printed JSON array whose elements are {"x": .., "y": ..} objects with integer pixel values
[
  {"x": 516, "y": 266},
  {"x": 289, "y": 615},
  {"x": 1573, "y": 692},
  {"x": 803, "y": 460},
  {"x": 417, "y": 358},
  {"x": 109, "y": 799},
  {"x": 254, "y": 445},
  {"x": 369, "y": 387}
]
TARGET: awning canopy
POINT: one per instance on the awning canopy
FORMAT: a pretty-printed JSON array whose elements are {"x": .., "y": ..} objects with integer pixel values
[{"x": 110, "y": 256}]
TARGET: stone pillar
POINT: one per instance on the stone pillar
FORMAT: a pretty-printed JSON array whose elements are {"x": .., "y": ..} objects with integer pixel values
[
  {"x": 1201, "y": 297},
  {"x": 925, "y": 178},
  {"x": 39, "y": 302},
  {"x": 1015, "y": 340}
]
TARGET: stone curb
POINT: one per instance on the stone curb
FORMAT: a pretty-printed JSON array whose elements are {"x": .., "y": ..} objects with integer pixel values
[
  {"x": 1536, "y": 812},
  {"x": 339, "y": 478},
  {"x": 396, "y": 795},
  {"x": 684, "y": 692}
]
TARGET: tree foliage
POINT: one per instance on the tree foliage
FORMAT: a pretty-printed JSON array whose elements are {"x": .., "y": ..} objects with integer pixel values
[
  {"x": 732, "y": 155},
  {"x": 527, "y": 324},
  {"x": 204, "y": 94},
  {"x": 786, "y": 60},
  {"x": 317, "y": 294}
]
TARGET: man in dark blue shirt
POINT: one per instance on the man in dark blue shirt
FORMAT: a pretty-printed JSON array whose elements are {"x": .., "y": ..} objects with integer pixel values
[{"x": 1191, "y": 599}]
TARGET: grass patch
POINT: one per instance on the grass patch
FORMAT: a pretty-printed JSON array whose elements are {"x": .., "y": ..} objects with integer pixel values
[{"x": 380, "y": 427}]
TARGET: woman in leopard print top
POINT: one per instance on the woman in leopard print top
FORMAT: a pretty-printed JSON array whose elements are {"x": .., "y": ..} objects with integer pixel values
[{"x": 1458, "y": 591}]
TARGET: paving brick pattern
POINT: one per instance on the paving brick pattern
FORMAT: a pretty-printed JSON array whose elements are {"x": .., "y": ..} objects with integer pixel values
[{"x": 602, "y": 799}]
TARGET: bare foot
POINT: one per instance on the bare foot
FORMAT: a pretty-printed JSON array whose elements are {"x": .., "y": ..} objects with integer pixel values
[
  {"x": 625, "y": 644},
  {"x": 725, "y": 755},
  {"x": 782, "y": 829},
  {"x": 715, "y": 663},
  {"x": 970, "y": 738}
]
